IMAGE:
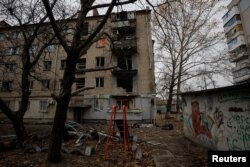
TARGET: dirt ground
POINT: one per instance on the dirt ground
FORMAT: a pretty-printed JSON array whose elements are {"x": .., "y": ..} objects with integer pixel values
[{"x": 152, "y": 141}]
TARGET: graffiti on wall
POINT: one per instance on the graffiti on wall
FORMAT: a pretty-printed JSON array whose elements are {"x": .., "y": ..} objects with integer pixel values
[
  {"x": 218, "y": 117},
  {"x": 238, "y": 125},
  {"x": 201, "y": 123}
]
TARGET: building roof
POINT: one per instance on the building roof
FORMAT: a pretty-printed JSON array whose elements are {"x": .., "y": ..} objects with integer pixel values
[{"x": 233, "y": 87}]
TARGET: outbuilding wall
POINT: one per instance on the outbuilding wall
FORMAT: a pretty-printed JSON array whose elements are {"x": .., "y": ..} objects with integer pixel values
[{"x": 218, "y": 119}]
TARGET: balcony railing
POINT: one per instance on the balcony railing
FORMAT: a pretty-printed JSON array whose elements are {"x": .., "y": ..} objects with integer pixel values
[
  {"x": 235, "y": 43},
  {"x": 232, "y": 12},
  {"x": 238, "y": 54}
]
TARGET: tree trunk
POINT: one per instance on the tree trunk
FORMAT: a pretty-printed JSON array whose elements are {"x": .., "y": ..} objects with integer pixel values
[
  {"x": 17, "y": 122},
  {"x": 54, "y": 154},
  {"x": 170, "y": 99},
  {"x": 20, "y": 130}
]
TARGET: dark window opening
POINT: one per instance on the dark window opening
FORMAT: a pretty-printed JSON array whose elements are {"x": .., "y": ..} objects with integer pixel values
[
  {"x": 122, "y": 16},
  {"x": 47, "y": 65},
  {"x": 81, "y": 64},
  {"x": 11, "y": 67},
  {"x": 85, "y": 29},
  {"x": 7, "y": 85},
  {"x": 63, "y": 64},
  {"x": 45, "y": 84},
  {"x": 125, "y": 83},
  {"x": 125, "y": 62},
  {"x": 80, "y": 83}
]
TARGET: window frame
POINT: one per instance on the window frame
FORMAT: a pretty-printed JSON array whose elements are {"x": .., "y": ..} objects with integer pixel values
[
  {"x": 47, "y": 67},
  {"x": 45, "y": 86},
  {"x": 100, "y": 62},
  {"x": 99, "y": 82},
  {"x": 43, "y": 106}
]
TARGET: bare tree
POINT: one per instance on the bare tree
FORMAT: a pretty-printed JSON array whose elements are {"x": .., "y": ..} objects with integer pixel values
[
  {"x": 74, "y": 47},
  {"x": 26, "y": 38},
  {"x": 185, "y": 31}
]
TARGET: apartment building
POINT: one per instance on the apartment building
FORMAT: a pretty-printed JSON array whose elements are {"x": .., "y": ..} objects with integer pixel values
[
  {"x": 237, "y": 31},
  {"x": 131, "y": 84}
]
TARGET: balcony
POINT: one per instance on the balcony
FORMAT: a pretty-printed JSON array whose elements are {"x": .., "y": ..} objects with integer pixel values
[
  {"x": 234, "y": 34},
  {"x": 241, "y": 75},
  {"x": 129, "y": 43},
  {"x": 245, "y": 65},
  {"x": 236, "y": 42},
  {"x": 232, "y": 23},
  {"x": 238, "y": 54},
  {"x": 124, "y": 72},
  {"x": 232, "y": 12}
]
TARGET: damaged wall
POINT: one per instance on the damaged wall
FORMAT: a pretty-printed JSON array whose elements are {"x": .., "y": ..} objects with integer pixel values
[{"x": 218, "y": 119}]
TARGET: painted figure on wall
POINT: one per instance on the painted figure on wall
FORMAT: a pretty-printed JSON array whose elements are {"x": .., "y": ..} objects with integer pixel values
[{"x": 198, "y": 125}]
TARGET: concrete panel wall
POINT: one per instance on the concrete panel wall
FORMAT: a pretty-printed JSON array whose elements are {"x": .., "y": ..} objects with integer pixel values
[{"x": 219, "y": 120}]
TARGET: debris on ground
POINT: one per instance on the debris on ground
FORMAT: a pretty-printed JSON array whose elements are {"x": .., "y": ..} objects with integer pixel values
[{"x": 85, "y": 146}]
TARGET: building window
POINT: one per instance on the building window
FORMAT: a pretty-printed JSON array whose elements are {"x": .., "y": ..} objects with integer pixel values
[
  {"x": 98, "y": 104},
  {"x": 11, "y": 67},
  {"x": 80, "y": 83},
  {"x": 125, "y": 102},
  {"x": 33, "y": 49},
  {"x": 81, "y": 64},
  {"x": 99, "y": 61},
  {"x": 85, "y": 29},
  {"x": 30, "y": 85},
  {"x": 63, "y": 64},
  {"x": 43, "y": 106},
  {"x": 16, "y": 34},
  {"x": 13, "y": 51},
  {"x": 99, "y": 82},
  {"x": 2, "y": 37},
  {"x": 60, "y": 84},
  {"x": 49, "y": 48},
  {"x": 45, "y": 84},
  {"x": 7, "y": 85},
  {"x": 47, "y": 65}
]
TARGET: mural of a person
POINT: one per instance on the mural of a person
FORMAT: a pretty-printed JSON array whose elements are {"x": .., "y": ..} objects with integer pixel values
[{"x": 197, "y": 121}]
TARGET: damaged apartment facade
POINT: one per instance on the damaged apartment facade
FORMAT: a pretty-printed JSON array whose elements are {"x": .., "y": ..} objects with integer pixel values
[{"x": 132, "y": 83}]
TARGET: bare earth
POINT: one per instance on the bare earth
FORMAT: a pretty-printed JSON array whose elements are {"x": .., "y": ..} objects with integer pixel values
[{"x": 160, "y": 148}]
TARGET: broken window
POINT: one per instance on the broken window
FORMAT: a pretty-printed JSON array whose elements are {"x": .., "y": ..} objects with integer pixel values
[
  {"x": 81, "y": 64},
  {"x": 45, "y": 84},
  {"x": 63, "y": 64},
  {"x": 49, "y": 48},
  {"x": 99, "y": 82},
  {"x": 99, "y": 61},
  {"x": 47, "y": 65},
  {"x": 80, "y": 83},
  {"x": 125, "y": 83},
  {"x": 101, "y": 43},
  {"x": 11, "y": 67},
  {"x": 126, "y": 102},
  {"x": 122, "y": 16},
  {"x": 125, "y": 62}
]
